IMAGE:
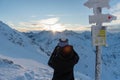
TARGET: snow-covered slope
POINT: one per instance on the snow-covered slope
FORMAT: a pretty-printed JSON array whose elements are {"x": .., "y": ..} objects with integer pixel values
[
  {"x": 21, "y": 59},
  {"x": 11, "y": 71},
  {"x": 111, "y": 57},
  {"x": 12, "y": 35},
  {"x": 81, "y": 42},
  {"x": 16, "y": 44},
  {"x": 16, "y": 48},
  {"x": 47, "y": 40},
  {"x": 30, "y": 70}
]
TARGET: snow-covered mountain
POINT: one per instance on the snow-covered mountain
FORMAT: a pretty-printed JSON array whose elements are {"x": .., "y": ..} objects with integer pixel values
[
  {"x": 46, "y": 40},
  {"x": 15, "y": 44},
  {"x": 81, "y": 42},
  {"x": 23, "y": 59},
  {"x": 12, "y": 35},
  {"x": 24, "y": 56},
  {"x": 19, "y": 59}
]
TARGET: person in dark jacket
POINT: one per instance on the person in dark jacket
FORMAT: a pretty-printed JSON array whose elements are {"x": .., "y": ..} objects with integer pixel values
[{"x": 63, "y": 60}]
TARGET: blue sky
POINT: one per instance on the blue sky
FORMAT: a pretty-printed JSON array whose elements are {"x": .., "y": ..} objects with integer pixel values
[{"x": 49, "y": 14}]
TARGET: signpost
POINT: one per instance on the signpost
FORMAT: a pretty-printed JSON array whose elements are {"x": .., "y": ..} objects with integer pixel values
[
  {"x": 99, "y": 31},
  {"x": 97, "y": 3},
  {"x": 99, "y": 35},
  {"x": 100, "y": 18}
]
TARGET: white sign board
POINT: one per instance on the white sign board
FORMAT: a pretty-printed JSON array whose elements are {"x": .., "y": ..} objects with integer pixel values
[
  {"x": 99, "y": 35},
  {"x": 100, "y": 18},
  {"x": 97, "y": 3}
]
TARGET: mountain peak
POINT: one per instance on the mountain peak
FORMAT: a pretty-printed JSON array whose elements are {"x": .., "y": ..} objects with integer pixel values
[{"x": 14, "y": 36}]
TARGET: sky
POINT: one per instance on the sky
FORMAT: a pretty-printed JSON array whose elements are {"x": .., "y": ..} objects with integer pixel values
[{"x": 28, "y": 15}]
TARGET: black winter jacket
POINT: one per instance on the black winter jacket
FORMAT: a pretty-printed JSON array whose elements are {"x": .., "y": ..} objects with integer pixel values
[{"x": 63, "y": 64}]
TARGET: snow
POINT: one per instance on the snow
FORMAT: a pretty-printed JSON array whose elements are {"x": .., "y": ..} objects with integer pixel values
[
  {"x": 35, "y": 71},
  {"x": 81, "y": 42},
  {"x": 24, "y": 56},
  {"x": 22, "y": 59},
  {"x": 83, "y": 46}
]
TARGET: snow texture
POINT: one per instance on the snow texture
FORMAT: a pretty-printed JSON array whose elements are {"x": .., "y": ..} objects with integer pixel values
[
  {"x": 23, "y": 59},
  {"x": 24, "y": 56}
]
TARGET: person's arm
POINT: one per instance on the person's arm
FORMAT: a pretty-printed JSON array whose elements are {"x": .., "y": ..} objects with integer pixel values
[
  {"x": 50, "y": 62},
  {"x": 76, "y": 57}
]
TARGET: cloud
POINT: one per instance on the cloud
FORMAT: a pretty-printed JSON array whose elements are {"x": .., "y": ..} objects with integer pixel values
[
  {"x": 33, "y": 16},
  {"x": 115, "y": 8},
  {"x": 11, "y": 23},
  {"x": 51, "y": 15},
  {"x": 47, "y": 24},
  {"x": 77, "y": 27},
  {"x": 37, "y": 23},
  {"x": 44, "y": 24},
  {"x": 49, "y": 21}
]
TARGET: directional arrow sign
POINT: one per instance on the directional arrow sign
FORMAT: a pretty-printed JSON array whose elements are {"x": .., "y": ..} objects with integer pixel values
[
  {"x": 97, "y": 3},
  {"x": 100, "y": 18}
]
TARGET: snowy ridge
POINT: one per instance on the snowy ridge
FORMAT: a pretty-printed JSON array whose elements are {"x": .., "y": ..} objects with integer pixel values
[
  {"x": 47, "y": 40},
  {"x": 10, "y": 45},
  {"x": 28, "y": 60},
  {"x": 12, "y": 35},
  {"x": 81, "y": 43},
  {"x": 11, "y": 71},
  {"x": 24, "y": 61}
]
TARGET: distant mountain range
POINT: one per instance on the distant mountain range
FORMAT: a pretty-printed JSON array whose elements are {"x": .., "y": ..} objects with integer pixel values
[
  {"x": 38, "y": 46},
  {"x": 46, "y": 40}
]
